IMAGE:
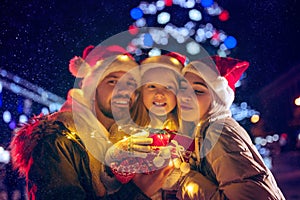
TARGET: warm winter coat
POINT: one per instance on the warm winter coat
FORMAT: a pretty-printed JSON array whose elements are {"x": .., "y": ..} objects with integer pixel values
[
  {"x": 61, "y": 158},
  {"x": 230, "y": 166}
]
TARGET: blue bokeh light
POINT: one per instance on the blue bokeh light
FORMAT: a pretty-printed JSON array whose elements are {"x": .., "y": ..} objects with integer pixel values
[
  {"x": 207, "y": 3},
  {"x": 136, "y": 13},
  {"x": 230, "y": 42}
]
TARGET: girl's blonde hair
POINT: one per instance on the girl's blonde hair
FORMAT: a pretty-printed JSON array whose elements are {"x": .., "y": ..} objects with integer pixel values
[{"x": 140, "y": 115}]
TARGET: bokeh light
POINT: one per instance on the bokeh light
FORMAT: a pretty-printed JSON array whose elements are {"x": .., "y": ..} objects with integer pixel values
[
  {"x": 297, "y": 101},
  {"x": 195, "y": 15},
  {"x": 136, "y": 13},
  {"x": 207, "y": 3},
  {"x": 133, "y": 30},
  {"x": 230, "y": 42},
  {"x": 163, "y": 18},
  {"x": 6, "y": 116},
  {"x": 255, "y": 118},
  {"x": 23, "y": 119},
  {"x": 224, "y": 16}
]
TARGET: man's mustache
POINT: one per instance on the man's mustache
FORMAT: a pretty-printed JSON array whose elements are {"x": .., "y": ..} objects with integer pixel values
[{"x": 120, "y": 96}]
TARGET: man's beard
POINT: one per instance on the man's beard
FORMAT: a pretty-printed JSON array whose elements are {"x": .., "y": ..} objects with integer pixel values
[
  {"x": 107, "y": 113},
  {"x": 118, "y": 114}
]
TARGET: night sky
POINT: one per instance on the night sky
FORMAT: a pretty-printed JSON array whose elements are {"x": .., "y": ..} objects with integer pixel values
[{"x": 38, "y": 38}]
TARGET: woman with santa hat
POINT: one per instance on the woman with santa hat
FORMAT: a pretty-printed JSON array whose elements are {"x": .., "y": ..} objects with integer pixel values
[{"x": 225, "y": 164}]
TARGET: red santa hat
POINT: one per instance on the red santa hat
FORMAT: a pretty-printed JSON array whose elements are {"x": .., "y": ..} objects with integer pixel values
[
  {"x": 231, "y": 69},
  {"x": 98, "y": 62},
  {"x": 220, "y": 73},
  {"x": 174, "y": 62},
  {"x": 81, "y": 66}
]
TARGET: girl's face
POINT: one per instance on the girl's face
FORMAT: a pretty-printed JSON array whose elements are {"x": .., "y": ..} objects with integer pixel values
[
  {"x": 159, "y": 91},
  {"x": 194, "y": 98}
]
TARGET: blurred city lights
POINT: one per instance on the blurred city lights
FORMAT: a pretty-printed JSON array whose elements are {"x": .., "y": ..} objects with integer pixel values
[
  {"x": 23, "y": 119},
  {"x": 4, "y": 156},
  {"x": 20, "y": 86},
  {"x": 45, "y": 111},
  {"x": 12, "y": 125},
  {"x": 275, "y": 137},
  {"x": 297, "y": 101},
  {"x": 6, "y": 116},
  {"x": 243, "y": 111}
]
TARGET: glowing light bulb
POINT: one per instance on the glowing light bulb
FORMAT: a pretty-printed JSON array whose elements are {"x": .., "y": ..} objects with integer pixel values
[
  {"x": 175, "y": 62},
  {"x": 192, "y": 189}
]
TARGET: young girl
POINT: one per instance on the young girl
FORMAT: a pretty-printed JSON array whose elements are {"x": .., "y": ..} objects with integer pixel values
[
  {"x": 156, "y": 105},
  {"x": 226, "y": 163}
]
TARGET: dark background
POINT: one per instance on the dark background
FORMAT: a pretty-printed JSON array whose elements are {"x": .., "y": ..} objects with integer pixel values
[{"x": 38, "y": 38}]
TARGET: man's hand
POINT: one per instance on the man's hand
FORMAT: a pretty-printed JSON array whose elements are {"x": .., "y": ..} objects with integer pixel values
[{"x": 133, "y": 146}]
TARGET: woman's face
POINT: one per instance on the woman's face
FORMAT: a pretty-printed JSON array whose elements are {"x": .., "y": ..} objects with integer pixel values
[
  {"x": 194, "y": 98},
  {"x": 159, "y": 91}
]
